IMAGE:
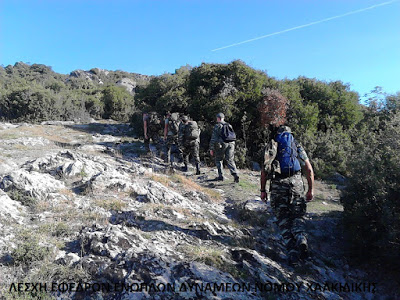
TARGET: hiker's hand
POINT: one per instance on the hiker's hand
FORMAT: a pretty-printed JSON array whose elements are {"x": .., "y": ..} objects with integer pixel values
[
  {"x": 165, "y": 138},
  {"x": 264, "y": 196},
  {"x": 145, "y": 136},
  {"x": 211, "y": 152},
  {"x": 309, "y": 195}
]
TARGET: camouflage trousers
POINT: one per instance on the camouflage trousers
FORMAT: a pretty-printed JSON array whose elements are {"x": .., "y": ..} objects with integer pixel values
[
  {"x": 289, "y": 205},
  {"x": 191, "y": 148},
  {"x": 171, "y": 148},
  {"x": 155, "y": 138},
  {"x": 225, "y": 151}
]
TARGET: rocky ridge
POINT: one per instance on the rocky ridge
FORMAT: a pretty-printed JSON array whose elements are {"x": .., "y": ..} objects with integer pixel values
[{"x": 81, "y": 203}]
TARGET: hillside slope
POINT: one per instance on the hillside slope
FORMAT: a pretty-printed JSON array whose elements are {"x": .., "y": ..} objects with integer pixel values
[{"x": 87, "y": 215}]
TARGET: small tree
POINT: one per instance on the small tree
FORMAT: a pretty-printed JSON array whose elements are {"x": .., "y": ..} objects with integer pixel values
[{"x": 118, "y": 103}]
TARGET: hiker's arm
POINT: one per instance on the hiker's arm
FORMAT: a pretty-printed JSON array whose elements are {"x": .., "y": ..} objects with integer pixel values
[
  {"x": 214, "y": 139},
  {"x": 263, "y": 182},
  {"x": 165, "y": 130},
  {"x": 310, "y": 179},
  {"x": 145, "y": 128}
]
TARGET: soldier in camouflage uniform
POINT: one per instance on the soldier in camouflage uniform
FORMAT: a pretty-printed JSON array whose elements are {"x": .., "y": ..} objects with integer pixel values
[
  {"x": 189, "y": 146},
  {"x": 171, "y": 130},
  {"x": 287, "y": 197},
  {"x": 223, "y": 150},
  {"x": 151, "y": 127}
]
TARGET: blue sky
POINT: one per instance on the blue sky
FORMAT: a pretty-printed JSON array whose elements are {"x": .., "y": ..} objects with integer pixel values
[{"x": 153, "y": 37}]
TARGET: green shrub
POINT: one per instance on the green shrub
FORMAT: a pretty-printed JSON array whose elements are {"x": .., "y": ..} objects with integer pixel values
[
  {"x": 28, "y": 249},
  {"x": 371, "y": 202},
  {"x": 22, "y": 197},
  {"x": 118, "y": 103}
]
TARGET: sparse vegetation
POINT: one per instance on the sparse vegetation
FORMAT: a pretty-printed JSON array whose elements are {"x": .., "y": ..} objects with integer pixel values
[
  {"x": 22, "y": 197},
  {"x": 187, "y": 184},
  {"x": 320, "y": 206},
  {"x": 29, "y": 248},
  {"x": 248, "y": 186},
  {"x": 339, "y": 134},
  {"x": 111, "y": 204},
  {"x": 83, "y": 173},
  {"x": 57, "y": 229}
]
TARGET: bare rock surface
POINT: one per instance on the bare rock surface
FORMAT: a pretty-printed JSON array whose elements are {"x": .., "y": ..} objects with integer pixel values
[{"x": 10, "y": 210}]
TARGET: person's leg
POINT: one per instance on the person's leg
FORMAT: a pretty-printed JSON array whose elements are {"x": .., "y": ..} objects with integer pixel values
[
  {"x": 186, "y": 153},
  {"x": 280, "y": 199},
  {"x": 147, "y": 144},
  {"x": 156, "y": 141},
  {"x": 219, "y": 158},
  {"x": 196, "y": 156},
  {"x": 230, "y": 159},
  {"x": 298, "y": 207},
  {"x": 168, "y": 156}
]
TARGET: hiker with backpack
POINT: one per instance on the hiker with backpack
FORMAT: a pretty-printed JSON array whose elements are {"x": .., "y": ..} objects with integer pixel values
[
  {"x": 151, "y": 127},
  {"x": 171, "y": 130},
  {"x": 282, "y": 161},
  {"x": 189, "y": 142},
  {"x": 222, "y": 144}
]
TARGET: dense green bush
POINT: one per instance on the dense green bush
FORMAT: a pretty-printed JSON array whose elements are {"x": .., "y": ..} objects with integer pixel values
[
  {"x": 35, "y": 93},
  {"x": 321, "y": 114},
  {"x": 371, "y": 202},
  {"x": 31, "y": 103},
  {"x": 118, "y": 103}
]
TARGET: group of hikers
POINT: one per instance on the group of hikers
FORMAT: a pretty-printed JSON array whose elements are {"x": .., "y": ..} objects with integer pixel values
[
  {"x": 282, "y": 161},
  {"x": 182, "y": 138}
]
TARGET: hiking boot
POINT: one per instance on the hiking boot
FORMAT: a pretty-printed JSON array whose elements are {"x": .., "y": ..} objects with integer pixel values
[
  {"x": 303, "y": 247},
  {"x": 236, "y": 178},
  {"x": 219, "y": 178},
  {"x": 171, "y": 170},
  {"x": 198, "y": 172},
  {"x": 197, "y": 169},
  {"x": 293, "y": 259},
  {"x": 184, "y": 169}
]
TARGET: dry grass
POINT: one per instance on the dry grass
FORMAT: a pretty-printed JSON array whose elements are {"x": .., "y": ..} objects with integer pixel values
[
  {"x": 206, "y": 254},
  {"x": 212, "y": 256},
  {"x": 90, "y": 217},
  {"x": 320, "y": 206},
  {"x": 35, "y": 131},
  {"x": 164, "y": 180},
  {"x": 66, "y": 192},
  {"x": 61, "y": 207},
  {"x": 20, "y": 147},
  {"x": 188, "y": 185},
  {"x": 111, "y": 204},
  {"x": 6, "y": 135}
]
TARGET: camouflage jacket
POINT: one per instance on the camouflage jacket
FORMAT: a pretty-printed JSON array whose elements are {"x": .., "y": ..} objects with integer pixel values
[
  {"x": 170, "y": 131},
  {"x": 181, "y": 134},
  {"x": 216, "y": 136}
]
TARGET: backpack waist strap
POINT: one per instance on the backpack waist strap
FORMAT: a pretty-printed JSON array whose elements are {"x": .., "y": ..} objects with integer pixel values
[{"x": 283, "y": 176}]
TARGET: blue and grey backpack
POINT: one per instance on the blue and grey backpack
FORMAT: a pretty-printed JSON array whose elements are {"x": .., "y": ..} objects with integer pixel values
[{"x": 287, "y": 153}]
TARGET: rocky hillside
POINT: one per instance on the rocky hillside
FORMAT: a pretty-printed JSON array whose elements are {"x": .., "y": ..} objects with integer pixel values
[{"x": 86, "y": 214}]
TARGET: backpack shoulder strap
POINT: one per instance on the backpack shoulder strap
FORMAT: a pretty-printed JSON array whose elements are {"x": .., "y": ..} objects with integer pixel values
[{"x": 270, "y": 152}]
